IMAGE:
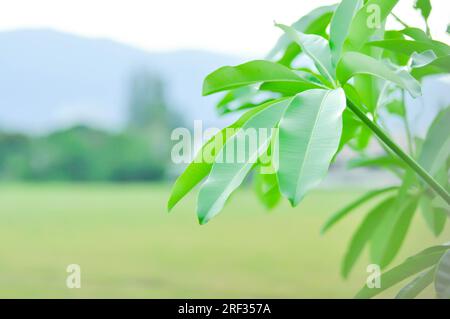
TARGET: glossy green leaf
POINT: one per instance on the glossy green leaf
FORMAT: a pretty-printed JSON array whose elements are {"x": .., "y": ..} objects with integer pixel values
[
  {"x": 267, "y": 190},
  {"x": 441, "y": 204},
  {"x": 413, "y": 265},
  {"x": 416, "y": 34},
  {"x": 226, "y": 175},
  {"x": 362, "y": 140},
  {"x": 315, "y": 47},
  {"x": 198, "y": 169},
  {"x": 231, "y": 77},
  {"x": 389, "y": 237},
  {"x": 442, "y": 277},
  {"x": 392, "y": 232},
  {"x": 368, "y": 20},
  {"x": 364, "y": 233},
  {"x": 425, "y": 8},
  {"x": 288, "y": 88},
  {"x": 340, "y": 26},
  {"x": 441, "y": 65},
  {"x": 385, "y": 161},
  {"x": 396, "y": 107},
  {"x": 436, "y": 148},
  {"x": 408, "y": 47},
  {"x": 314, "y": 22},
  {"x": 417, "y": 285},
  {"x": 369, "y": 86},
  {"x": 355, "y": 204},
  {"x": 309, "y": 137},
  {"x": 435, "y": 217},
  {"x": 242, "y": 98},
  {"x": 350, "y": 127},
  {"x": 398, "y": 59},
  {"x": 353, "y": 63},
  {"x": 419, "y": 60},
  {"x": 317, "y": 26}
]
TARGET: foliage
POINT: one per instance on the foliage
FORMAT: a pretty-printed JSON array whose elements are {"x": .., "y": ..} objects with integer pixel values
[
  {"x": 81, "y": 153},
  {"x": 359, "y": 71}
]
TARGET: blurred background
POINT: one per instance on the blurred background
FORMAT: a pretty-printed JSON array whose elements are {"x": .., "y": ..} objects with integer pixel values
[{"x": 89, "y": 94}]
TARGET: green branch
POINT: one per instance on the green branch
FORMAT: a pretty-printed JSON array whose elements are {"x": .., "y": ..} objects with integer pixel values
[{"x": 400, "y": 153}]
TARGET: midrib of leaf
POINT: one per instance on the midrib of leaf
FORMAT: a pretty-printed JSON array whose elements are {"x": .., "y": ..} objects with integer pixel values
[{"x": 302, "y": 166}]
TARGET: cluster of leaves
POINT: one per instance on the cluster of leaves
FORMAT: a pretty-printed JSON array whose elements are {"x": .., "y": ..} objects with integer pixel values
[{"x": 354, "y": 72}]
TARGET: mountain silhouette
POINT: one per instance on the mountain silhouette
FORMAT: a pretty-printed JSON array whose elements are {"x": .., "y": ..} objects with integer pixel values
[{"x": 50, "y": 80}]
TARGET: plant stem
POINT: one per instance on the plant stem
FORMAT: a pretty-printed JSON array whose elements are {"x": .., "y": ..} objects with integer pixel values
[
  {"x": 409, "y": 137},
  {"x": 400, "y": 153},
  {"x": 399, "y": 20}
]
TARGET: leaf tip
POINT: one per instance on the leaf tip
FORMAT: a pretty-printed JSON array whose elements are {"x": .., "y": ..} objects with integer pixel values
[
  {"x": 324, "y": 229},
  {"x": 205, "y": 88},
  {"x": 202, "y": 220},
  {"x": 170, "y": 204}
]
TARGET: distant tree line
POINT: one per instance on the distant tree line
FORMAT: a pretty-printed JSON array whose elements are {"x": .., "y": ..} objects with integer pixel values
[{"x": 138, "y": 153}]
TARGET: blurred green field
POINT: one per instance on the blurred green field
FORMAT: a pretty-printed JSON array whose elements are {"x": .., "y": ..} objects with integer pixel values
[{"x": 129, "y": 247}]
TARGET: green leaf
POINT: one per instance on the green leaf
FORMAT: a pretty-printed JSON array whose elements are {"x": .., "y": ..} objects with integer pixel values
[
  {"x": 366, "y": 22},
  {"x": 408, "y": 47},
  {"x": 231, "y": 77},
  {"x": 370, "y": 90},
  {"x": 425, "y": 8},
  {"x": 353, "y": 63},
  {"x": 242, "y": 98},
  {"x": 364, "y": 233},
  {"x": 199, "y": 168},
  {"x": 435, "y": 217},
  {"x": 392, "y": 232},
  {"x": 394, "y": 57},
  {"x": 350, "y": 207},
  {"x": 340, "y": 26},
  {"x": 288, "y": 88},
  {"x": 266, "y": 188},
  {"x": 315, "y": 47},
  {"x": 419, "y": 60},
  {"x": 227, "y": 175},
  {"x": 386, "y": 161},
  {"x": 389, "y": 237},
  {"x": 416, "y": 34},
  {"x": 441, "y": 204},
  {"x": 362, "y": 139},
  {"x": 309, "y": 137},
  {"x": 350, "y": 127},
  {"x": 440, "y": 65},
  {"x": 413, "y": 265},
  {"x": 442, "y": 277},
  {"x": 396, "y": 107},
  {"x": 415, "y": 287},
  {"x": 315, "y": 22},
  {"x": 436, "y": 148}
]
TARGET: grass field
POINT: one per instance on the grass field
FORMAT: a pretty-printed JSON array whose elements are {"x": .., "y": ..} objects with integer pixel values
[{"x": 128, "y": 246}]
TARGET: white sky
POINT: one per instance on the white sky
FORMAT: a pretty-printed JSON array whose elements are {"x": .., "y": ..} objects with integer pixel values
[{"x": 242, "y": 27}]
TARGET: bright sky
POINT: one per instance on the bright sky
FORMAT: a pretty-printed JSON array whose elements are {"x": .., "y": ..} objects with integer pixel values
[{"x": 243, "y": 27}]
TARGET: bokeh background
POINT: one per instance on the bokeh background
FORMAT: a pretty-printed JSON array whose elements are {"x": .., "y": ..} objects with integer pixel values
[{"x": 89, "y": 94}]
